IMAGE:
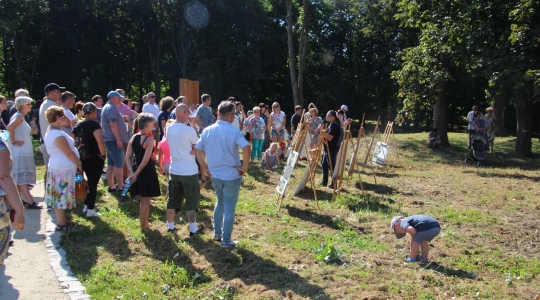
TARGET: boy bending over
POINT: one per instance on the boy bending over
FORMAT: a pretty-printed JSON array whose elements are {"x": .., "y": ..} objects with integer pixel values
[{"x": 422, "y": 229}]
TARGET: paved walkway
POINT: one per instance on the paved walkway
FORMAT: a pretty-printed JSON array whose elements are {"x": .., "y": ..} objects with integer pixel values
[{"x": 36, "y": 267}]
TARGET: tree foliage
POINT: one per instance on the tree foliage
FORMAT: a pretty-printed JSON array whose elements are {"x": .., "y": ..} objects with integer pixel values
[{"x": 424, "y": 62}]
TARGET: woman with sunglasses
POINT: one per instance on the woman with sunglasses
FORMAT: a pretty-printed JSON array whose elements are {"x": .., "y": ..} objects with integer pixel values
[
  {"x": 22, "y": 152},
  {"x": 63, "y": 165}
]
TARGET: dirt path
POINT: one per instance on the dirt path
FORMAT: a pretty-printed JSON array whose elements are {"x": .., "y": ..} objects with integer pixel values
[{"x": 35, "y": 267}]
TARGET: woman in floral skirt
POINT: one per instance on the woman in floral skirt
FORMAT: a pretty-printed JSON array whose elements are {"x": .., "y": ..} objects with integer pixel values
[{"x": 63, "y": 165}]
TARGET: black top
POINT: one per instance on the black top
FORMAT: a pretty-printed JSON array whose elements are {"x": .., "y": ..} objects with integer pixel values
[
  {"x": 88, "y": 128},
  {"x": 295, "y": 120},
  {"x": 163, "y": 116},
  {"x": 335, "y": 131}
]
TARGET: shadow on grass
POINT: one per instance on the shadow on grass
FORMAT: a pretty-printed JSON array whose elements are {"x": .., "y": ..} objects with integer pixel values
[
  {"x": 373, "y": 204},
  {"x": 376, "y": 187},
  {"x": 311, "y": 216},
  {"x": 83, "y": 244},
  {"x": 164, "y": 249},
  {"x": 252, "y": 269},
  {"x": 323, "y": 193},
  {"x": 511, "y": 176},
  {"x": 450, "y": 272}
]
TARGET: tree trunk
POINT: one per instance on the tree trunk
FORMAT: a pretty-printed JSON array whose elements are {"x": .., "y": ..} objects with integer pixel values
[
  {"x": 302, "y": 53},
  {"x": 156, "y": 67},
  {"x": 524, "y": 126},
  {"x": 292, "y": 58},
  {"x": 440, "y": 114},
  {"x": 499, "y": 105}
]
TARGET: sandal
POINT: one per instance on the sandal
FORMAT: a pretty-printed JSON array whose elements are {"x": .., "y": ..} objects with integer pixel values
[
  {"x": 32, "y": 205},
  {"x": 66, "y": 227}
]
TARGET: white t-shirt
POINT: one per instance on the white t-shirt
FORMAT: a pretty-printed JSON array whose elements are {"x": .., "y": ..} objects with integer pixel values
[
  {"x": 236, "y": 122},
  {"x": 58, "y": 160},
  {"x": 278, "y": 119},
  {"x": 151, "y": 109},
  {"x": 181, "y": 137},
  {"x": 70, "y": 117}
]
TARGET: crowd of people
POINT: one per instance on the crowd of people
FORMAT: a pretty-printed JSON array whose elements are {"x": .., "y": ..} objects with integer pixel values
[
  {"x": 131, "y": 144},
  {"x": 477, "y": 125}
]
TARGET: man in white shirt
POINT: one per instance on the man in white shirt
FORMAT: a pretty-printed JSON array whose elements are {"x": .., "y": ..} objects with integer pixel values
[
  {"x": 53, "y": 94},
  {"x": 152, "y": 107},
  {"x": 68, "y": 100},
  {"x": 183, "y": 171}
]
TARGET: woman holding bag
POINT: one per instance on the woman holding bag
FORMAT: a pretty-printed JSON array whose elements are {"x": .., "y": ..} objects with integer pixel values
[
  {"x": 63, "y": 165},
  {"x": 142, "y": 146},
  {"x": 92, "y": 165},
  {"x": 10, "y": 201}
]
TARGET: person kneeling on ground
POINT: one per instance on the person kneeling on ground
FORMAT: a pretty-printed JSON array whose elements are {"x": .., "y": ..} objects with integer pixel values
[
  {"x": 422, "y": 229},
  {"x": 434, "y": 139}
]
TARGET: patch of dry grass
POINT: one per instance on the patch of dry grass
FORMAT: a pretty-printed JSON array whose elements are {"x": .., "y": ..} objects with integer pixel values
[{"x": 488, "y": 246}]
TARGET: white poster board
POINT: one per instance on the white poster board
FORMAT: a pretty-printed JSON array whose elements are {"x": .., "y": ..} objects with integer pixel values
[
  {"x": 287, "y": 171},
  {"x": 379, "y": 154}
]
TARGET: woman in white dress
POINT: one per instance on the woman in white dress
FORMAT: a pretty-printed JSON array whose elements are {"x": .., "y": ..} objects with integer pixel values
[{"x": 22, "y": 153}]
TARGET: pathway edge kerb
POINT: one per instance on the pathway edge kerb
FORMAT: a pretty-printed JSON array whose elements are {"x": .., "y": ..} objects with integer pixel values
[{"x": 58, "y": 259}]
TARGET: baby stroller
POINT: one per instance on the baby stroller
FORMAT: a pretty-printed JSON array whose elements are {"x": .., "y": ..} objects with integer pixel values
[{"x": 479, "y": 149}]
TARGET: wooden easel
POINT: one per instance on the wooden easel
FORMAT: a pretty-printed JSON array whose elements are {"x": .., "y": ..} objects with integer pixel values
[
  {"x": 389, "y": 130},
  {"x": 297, "y": 143},
  {"x": 370, "y": 146},
  {"x": 354, "y": 159},
  {"x": 340, "y": 163},
  {"x": 313, "y": 163}
]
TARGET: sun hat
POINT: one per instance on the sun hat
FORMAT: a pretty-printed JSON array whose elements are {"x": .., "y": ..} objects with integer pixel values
[{"x": 393, "y": 224}]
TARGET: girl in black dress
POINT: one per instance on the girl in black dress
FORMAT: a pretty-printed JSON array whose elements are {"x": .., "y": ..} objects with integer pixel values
[{"x": 144, "y": 171}]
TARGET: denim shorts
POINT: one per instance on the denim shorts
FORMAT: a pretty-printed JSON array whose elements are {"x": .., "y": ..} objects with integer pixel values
[
  {"x": 281, "y": 133},
  {"x": 427, "y": 235},
  {"x": 115, "y": 157}
]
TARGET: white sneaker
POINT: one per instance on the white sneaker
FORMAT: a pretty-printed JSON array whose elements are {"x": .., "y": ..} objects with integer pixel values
[
  {"x": 85, "y": 208},
  {"x": 92, "y": 213}
]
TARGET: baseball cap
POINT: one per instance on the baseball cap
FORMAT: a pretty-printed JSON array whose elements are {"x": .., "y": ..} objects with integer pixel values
[
  {"x": 114, "y": 94},
  {"x": 393, "y": 223},
  {"x": 344, "y": 107},
  {"x": 53, "y": 86},
  {"x": 89, "y": 108}
]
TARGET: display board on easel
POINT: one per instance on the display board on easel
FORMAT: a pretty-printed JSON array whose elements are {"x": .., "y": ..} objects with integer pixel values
[
  {"x": 297, "y": 144},
  {"x": 382, "y": 149},
  {"x": 190, "y": 90},
  {"x": 341, "y": 160}
]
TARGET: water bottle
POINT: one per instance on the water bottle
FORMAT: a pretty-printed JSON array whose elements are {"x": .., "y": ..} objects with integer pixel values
[
  {"x": 78, "y": 177},
  {"x": 127, "y": 185}
]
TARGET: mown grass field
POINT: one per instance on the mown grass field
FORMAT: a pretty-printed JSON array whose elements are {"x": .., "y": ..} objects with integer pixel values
[{"x": 488, "y": 247}]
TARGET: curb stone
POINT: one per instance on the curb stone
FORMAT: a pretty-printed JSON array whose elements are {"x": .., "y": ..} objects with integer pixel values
[{"x": 58, "y": 259}]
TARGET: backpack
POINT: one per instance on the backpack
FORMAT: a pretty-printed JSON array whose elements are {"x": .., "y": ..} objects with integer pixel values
[{"x": 82, "y": 144}]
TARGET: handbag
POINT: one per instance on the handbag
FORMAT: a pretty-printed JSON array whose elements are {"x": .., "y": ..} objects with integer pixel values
[
  {"x": 81, "y": 189},
  {"x": 5, "y": 210}
]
